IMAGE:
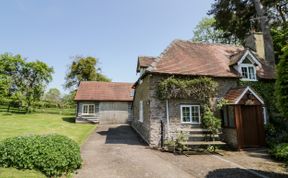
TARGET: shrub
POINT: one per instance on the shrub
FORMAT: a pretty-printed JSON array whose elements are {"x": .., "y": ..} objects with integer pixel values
[
  {"x": 281, "y": 86},
  {"x": 280, "y": 152},
  {"x": 211, "y": 123},
  {"x": 54, "y": 155}
]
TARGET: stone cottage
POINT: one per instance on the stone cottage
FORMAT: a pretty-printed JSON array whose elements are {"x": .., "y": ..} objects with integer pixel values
[{"x": 243, "y": 117}]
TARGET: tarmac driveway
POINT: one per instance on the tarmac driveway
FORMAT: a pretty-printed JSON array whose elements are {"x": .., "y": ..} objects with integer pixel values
[{"x": 116, "y": 151}]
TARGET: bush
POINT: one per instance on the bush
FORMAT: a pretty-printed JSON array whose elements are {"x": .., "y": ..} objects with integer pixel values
[
  {"x": 280, "y": 152},
  {"x": 54, "y": 155},
  {"x": 211, "y": 123}
]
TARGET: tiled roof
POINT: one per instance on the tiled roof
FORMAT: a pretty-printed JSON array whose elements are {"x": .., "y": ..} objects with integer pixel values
[
  {"x": 200, "y": 59},
  {"x": 104, "y": 91},
  {"x": 233, "y": 94},
  {"x": 144, "y": 62},
  {"x": 189, "y": 58}
]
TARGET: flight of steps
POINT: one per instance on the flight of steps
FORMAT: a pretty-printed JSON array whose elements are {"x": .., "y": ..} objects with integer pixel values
[{"x": 201, "y": 137}]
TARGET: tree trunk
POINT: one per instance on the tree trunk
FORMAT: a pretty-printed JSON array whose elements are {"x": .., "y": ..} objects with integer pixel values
[
  {"x": 8, "y": 109},
  {"x": 268, "y": 42}
]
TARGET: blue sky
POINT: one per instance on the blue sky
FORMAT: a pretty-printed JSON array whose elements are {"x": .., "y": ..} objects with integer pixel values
[{"x": 114, "y": 31}]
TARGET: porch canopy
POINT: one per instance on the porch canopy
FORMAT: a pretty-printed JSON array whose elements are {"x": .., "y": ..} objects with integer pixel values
[{"x": 246, "y": 114}]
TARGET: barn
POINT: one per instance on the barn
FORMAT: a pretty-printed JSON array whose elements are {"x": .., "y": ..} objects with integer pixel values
[{"x": 104, "y": 102}]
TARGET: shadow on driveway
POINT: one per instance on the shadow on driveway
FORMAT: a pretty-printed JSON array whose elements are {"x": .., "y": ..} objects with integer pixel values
[
  {"x": 123, "y": 134},
  {"x": 241, "y": 173}
]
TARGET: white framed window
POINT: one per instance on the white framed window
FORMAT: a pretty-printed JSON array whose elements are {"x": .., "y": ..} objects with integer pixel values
[
  {"x": 141, "y": 114},
  {"x": 88, "y": 109},
  {"x": 248, "y": 72},
  {"x": 190, "y": 114}
]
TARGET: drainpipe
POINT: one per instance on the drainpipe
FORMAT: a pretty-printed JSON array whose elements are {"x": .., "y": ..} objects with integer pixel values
[{"x": 167, "y": 119}]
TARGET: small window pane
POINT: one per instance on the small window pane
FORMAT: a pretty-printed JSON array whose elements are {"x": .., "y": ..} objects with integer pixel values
[
  {"x": 91, "y": 109},
  {"x": 85, "y": 109},
  {"x": 186, "y": 114},
  {"x": 195, "y": 114},
  {"x": 251, "y": 73},
  {"x": 244, "y": 72},
  {"x": 231, "y": 116}
]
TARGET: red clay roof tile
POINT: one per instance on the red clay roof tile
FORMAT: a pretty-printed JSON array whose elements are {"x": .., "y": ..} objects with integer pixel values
[{"x": 104, "y": 91}]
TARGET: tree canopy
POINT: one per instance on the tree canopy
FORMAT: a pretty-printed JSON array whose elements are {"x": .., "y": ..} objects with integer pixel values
[
  {"x": 83, "y": 69},
  {"x": 238, "y": 17},
  {"x": 22, "y": 83},
  {"x": 205, "y": 31},
  {"x": 53, "y": 95},
  {"x": 281, "y": 87}
]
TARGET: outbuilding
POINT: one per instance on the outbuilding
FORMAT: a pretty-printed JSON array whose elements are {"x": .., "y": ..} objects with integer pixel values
[{"x": 104, "y": 102}]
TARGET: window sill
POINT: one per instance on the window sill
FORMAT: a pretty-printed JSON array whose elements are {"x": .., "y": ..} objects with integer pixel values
[
  {"x": 190, "y": 123},
  {"x": 248, "y": 80}
]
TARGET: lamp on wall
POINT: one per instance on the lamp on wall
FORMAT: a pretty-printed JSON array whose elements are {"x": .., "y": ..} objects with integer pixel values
[{"x": 250, "y": 99}]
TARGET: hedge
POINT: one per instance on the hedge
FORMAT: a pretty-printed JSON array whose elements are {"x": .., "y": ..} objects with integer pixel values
[{"x": 53, "y": 155}]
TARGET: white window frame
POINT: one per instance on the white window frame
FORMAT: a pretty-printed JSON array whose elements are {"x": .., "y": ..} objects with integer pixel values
[
  {"x": 88, "y": 108},
  {"x": 248, "y": 72},
  {"x": 253, "y": 61},
  {"x": 141, "y": 112},
  {"x": 190, "y": 110}
]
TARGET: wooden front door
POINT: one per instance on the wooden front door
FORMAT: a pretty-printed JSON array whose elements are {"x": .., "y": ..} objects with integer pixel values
[{"x": 253, "y": 126}]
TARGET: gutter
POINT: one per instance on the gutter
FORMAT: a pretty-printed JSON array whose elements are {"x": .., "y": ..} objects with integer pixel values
[{"x": 167, "y": 119}]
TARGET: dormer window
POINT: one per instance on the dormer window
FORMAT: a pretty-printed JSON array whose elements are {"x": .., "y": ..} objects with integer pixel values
[
  {"x": 248, "y": 72},
  {"x": 246, "y": 66}
]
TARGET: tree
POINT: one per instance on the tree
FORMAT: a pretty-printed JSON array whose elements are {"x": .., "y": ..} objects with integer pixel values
[
  {"x": 205, "y": 31},
  {"x": 36, "y": 76},
  {"x": 11, "y": 67},
  {"x": 22, "y": 83},
  {"x": 83, "y": 69},
  {"x": 281, "y": 86},
  {"x": 68, "y": 100},
  {"x": 238, "y": 17},
  {"x": 53, "y": 96}
]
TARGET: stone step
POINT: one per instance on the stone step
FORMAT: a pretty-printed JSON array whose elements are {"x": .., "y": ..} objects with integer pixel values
[
  {"x": 200, "y": 143},
  {"x": 201, "y": 137},
  {"x": 192, "y": 131}
]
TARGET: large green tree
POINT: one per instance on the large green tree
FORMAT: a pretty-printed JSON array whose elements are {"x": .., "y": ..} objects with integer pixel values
[
  {"x": 238, "y": 17},
  {"x": 53, "y": 95},
  {"x": 281, "y": 87},
  {"x": 83, "y": 69},
  {"x": 205, "y": 31},
  {"x": 11, "y": 67},
  {"x": 36, "y": 76},
  {"x": 22, "y": 83}
]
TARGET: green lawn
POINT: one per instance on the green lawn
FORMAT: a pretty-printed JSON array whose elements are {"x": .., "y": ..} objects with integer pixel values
[{"x": 26, "y": 124}]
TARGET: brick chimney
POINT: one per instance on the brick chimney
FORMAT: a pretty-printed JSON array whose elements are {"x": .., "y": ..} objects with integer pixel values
[{"x": 256, "y": 42}]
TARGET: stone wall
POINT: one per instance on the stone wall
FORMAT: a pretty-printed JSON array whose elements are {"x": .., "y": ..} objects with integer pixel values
[
  {"x": 142, "y": 94},
  {"x": 230, "y": 136},
  {"x": 155, "y": 109}
]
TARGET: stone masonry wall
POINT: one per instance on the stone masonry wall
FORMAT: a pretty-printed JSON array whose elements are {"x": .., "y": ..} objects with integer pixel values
[
  {"x": 230, "y": 136},
  {"x": 142, "y": 94},
  {"x": 155, "y": 110},
  {"x": 158, "y": 110}
]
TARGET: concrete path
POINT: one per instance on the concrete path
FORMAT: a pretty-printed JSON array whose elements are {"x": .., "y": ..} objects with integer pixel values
[{"x": 115, "y": 151}]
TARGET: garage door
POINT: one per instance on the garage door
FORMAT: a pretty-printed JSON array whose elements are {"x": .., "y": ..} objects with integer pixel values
[{"x": 114, "y": 112}]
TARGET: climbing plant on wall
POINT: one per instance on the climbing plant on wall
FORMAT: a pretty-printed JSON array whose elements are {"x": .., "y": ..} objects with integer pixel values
[
  {"x": 199, "y": 89},
  {"x": 266, "y": 90}
]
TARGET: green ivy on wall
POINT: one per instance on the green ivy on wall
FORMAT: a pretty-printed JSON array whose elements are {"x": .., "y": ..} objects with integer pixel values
[
  {"x": 199, "y": 89},
  {"x": 266, "y": 90}
]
